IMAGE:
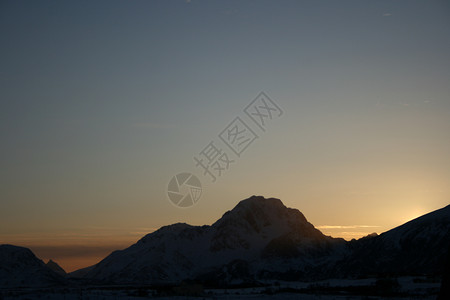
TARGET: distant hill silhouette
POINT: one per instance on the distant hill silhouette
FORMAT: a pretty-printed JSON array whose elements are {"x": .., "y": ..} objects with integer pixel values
[
  {"x": 263, "y": 239},
  {"x": 55, "y": 267},
  {"x": 80, "y": 273},
  {"x": 258, "y": 239},
  {"x": 416, "y": 247},
  {"x": 257, "y": 229},
  {"x": 19, "y": 267}
]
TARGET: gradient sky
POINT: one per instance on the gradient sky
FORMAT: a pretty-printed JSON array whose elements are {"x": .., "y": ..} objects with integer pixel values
[{"x": 102, "y": 102}]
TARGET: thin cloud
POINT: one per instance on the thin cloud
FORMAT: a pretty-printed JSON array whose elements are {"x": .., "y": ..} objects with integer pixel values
[
  {"x": 354, "y": 233},
  {"x": 70, "y": 251},
  {"x": 345, "y": 226},
  {"x": 88, "y": 236},
  {"x": 386, "y": 14}
]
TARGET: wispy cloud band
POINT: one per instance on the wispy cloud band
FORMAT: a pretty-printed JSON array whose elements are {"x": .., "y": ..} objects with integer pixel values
[{"x": 345, "y": 226}]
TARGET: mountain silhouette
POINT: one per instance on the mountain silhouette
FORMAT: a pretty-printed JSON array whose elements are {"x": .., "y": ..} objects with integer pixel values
[
  {"x": 259, "y": 239},
  {"x": 55, "y": 268},
  {"x": 256, "y": 228},
  {"x": 416, "y": 247},
  {"x": 263, "y": 239},
  {"x": 19, "y": 267}
]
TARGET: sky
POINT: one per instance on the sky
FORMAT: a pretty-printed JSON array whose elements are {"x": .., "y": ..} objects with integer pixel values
[{"x": 103, "y": 102}]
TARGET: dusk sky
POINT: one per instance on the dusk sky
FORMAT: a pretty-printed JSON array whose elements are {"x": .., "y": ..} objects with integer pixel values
[{"x": 103, "y": 102}]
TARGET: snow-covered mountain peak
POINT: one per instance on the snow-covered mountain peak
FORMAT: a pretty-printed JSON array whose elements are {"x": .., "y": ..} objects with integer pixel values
[
  {"x": 256, "y": 221},
  {"x": 169, "y": 231},
  {"x": 267, "y": 238},
  {"x": 260, "y": 201},
  {"x": 259, "y": 212}
]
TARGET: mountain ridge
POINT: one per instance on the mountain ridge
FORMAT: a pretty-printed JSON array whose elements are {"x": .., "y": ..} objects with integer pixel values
[
  {"x": 55, "y": 267},
  {"x": 268, "y": 240},
  {"x": 19, "y": 267},
  {"x": 259, "y": 239},
  {"x": 243, "y": 232}
]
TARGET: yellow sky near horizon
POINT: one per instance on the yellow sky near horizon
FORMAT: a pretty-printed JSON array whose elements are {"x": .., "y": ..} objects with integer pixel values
[{"x": 76, "y": 249}]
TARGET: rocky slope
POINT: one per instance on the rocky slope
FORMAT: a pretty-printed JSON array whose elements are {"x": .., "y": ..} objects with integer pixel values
[
  {"x": 19, "y": 267},
  {"x": 263, "y": 233},
  {"x": 52, "y": 265},
  {"x": 257, "y": 231}
]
